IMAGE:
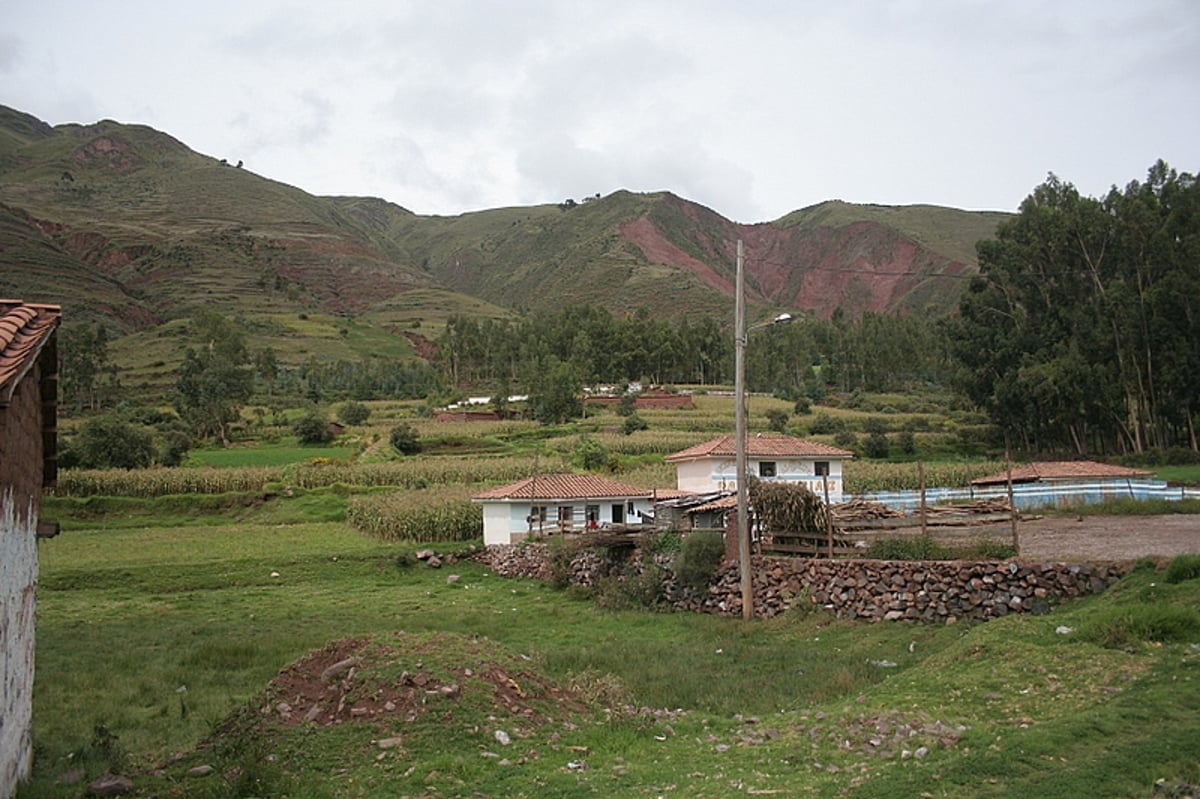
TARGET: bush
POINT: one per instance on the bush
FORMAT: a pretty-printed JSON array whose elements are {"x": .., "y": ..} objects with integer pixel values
[
  {"x": 877, "y": 446},
  {"x": 777, "y": 420},
  {"x": 803, "y": 406},
  {"x": 405, "y": 439},
  {"x": 109, "y": 442},
  {"x": 906, "y": 442},
  {"x": 634, "y": 423},
  {"x": 353, "y": 413},
  {"x": 313, "y": 428},
  {"x": 590, "y": 453},
  {"x": 846, "y": 440},
  {"x": 824, "y": 424},
  {"x": 1183, "y": 568},
  {"x": 699, "y": 556}
]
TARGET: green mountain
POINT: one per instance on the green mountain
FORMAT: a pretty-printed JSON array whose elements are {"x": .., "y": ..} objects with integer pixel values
[{"x": 126, "y": 225}]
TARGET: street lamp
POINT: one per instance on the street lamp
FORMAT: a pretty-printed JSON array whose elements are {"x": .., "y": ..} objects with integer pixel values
[{"x": 739, "y": 392}]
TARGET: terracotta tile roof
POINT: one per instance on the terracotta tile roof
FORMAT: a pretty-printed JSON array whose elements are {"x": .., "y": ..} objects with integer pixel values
[
  {"x": 1060, "y": 470},
  {"x": 724, "y": 503},
  {"x": 24, "y": 330},
  {"x": 565, "y": 486},
  {"x": 760, "y": 445}
]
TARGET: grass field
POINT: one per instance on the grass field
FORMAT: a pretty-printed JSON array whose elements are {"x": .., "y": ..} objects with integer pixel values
[{"x": 159, "y": 632}]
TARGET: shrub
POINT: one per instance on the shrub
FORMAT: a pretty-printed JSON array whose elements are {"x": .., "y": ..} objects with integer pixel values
[
  {"x": 699, "y": 556},
  {"x": 590, "y": 453},
  {"x": 353, "y": 413},
  {"x": 634, "y": 423},
  {"x": 110, "y": 442},
  {"x": 632, "y": 588},
  {"x": 824, "y": 424},
  {"x": 877, "y": 446},
  {"x": 313, "y": 428},
  {"x": 1183, "y": 568},
  {"x": 906, "y": 442},
  {"x": 405, "y": 439},
  {"x": 803, "y": 406},
  {"x": 846, "y": 440}
]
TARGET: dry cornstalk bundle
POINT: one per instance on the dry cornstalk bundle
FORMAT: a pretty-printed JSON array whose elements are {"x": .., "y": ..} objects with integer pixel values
[{"x": 787, "y": 507}]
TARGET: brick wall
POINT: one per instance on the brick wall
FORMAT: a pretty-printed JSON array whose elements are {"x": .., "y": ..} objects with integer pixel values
[{"x": 21, "y": 452}]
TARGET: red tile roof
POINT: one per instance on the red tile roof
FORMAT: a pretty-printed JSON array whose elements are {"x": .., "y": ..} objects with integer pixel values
[
  {"x": 760, "y": 445},
  {"x": 1061, "y": 470},
  {"x": 565, "y": 486},
  {"x": 24, "y": 330}
]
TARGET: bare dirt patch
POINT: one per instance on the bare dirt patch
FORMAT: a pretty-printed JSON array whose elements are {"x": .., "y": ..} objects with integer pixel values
[{"x": 1090, "y": 538}]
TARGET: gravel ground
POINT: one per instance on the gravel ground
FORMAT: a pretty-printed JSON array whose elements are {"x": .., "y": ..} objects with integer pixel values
[{"x": 1102, "y": 538}]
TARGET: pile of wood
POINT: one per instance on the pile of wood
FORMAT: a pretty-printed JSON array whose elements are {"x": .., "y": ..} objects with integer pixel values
[{"x": 860, "y": 510}]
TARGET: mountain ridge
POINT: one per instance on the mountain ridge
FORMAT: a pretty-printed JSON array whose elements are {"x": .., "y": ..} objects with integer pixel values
[{"x": 125, "y": 225}]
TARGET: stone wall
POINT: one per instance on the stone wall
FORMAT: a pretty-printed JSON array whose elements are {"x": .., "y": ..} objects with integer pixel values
[
  {"x": 21, "y": 457},
  {"x": 930, "y": 592}
]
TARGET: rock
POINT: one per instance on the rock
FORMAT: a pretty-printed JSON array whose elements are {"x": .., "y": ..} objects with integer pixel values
[
  {"x": 502, "y": 738},
  {"x": 201, "y": 771},
  {"x": 389, "y": 743},
  {"x": 434, "y": 562},
  {"x": 452, "y": 579},
  {"x": 110, "y": 785},
  {"x": 339, "y": 667},
  {"x": 425, "y": 554}
]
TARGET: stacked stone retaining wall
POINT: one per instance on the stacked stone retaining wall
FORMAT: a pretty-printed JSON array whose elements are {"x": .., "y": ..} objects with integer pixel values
[{"x": 931, "y": 592}]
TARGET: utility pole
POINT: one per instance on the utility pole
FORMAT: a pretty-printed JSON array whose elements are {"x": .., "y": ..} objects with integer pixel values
[{"x": 739, "y": 392}]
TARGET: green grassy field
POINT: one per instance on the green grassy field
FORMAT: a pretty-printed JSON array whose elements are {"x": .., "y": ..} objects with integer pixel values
[{"x": 159, "y": 633}]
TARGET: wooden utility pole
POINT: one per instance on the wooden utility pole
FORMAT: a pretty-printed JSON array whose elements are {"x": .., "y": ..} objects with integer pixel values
[
  {"x": 1012, "y": 505},
  {"x": 739, "y": 399}
]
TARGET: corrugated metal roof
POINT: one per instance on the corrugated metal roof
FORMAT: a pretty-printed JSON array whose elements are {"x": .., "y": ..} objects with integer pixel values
[
  {"x": 24, "y": 330},
  {"x": 565, "y": 486},
  {"x": 1061, "y": 470},
  {"x": 761, "y": 445}
]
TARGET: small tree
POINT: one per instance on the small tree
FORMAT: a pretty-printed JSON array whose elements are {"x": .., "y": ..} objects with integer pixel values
[
  {"x": 313, "y": 428},
  {"x": 111, "y": 442},
  {"x": 405, "y": 439},
  {"x": 353, "y": 413},
  {"x": 876, "y": 446},
  {"x": 627, "y": 405},
  {"x": 777, "y": 420},
  {"x": 634, "y": 423},
  {"x": 591, "y": 453}
]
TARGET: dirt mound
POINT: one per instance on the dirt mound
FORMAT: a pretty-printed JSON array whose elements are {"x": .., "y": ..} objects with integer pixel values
[{"x": 403, "y": 677}]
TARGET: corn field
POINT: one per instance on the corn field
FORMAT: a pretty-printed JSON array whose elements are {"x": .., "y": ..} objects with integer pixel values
[
  {"x": 423, "y": 516},
  {"x": 418, "y": 472},
  {"x": 159, "y": 482},
  {"x": 864, "y": 476}
]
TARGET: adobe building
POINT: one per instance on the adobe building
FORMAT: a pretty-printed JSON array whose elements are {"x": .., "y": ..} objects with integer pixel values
[{"x": 28, "y": 458}]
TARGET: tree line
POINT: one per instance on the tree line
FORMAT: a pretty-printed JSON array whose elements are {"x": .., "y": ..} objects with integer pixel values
[
  {"x": 877, "y": 352},
  {"x": 1082, "y": 331}
]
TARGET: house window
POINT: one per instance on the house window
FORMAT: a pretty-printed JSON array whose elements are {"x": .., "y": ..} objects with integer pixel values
[
  {"x": 766, "y": 469},
  {"x": 629, "y": 508},
  {"x": 537, "y": 513},
  {"x": 566, "y": 515},
  {"x": 821, "y": 468}
]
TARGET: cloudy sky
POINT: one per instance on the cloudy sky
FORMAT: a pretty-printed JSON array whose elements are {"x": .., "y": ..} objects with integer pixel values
[{"x": 753, "y": 108}]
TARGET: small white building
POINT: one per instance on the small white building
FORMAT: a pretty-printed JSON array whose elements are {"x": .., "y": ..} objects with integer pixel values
[
  {"x": 553, "y": 503},
  {"x": 712, "y": 466}
]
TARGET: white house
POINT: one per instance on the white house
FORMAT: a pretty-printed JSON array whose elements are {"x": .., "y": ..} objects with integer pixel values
[
  {"x": 712, "y": 466},
  {"x": 550, "y": 503}
]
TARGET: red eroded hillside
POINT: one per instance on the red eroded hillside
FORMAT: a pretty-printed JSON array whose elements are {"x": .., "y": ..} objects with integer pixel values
[{"x": 861, "y": 266}]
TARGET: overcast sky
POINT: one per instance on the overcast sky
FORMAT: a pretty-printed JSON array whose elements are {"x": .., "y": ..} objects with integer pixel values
[{"x": 753, "y": 108}]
